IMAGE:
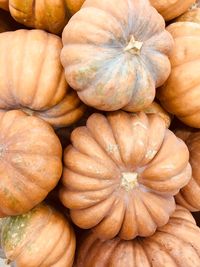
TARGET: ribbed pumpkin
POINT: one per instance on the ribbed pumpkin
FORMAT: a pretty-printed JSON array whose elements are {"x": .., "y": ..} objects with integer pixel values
[
  {"x": 40, "y": 238},
  {"x": 121, "y": 172},
  {"x": 173, "y": 245},
  {"x": 155, "y": 108},
  {"x": 180, "y": 94},
  {"x": 189, "y": 196},
  {"x": 32, "y": 78},
  {"x": 74, "y": 5},
  {"x": 171, "y": 9},
  {"x": 192, "y": 15},
  {"x": 120, "y": 56},
  {"x": 31, "y": 163}
]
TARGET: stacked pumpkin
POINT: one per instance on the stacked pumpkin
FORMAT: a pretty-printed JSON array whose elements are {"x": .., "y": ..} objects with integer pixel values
[{"x": 88, "y": 156}]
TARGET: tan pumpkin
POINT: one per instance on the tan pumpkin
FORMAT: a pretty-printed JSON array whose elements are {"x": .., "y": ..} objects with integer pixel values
[
  {"x": 173, "y": 245},
  {"x": 192, "y": 15},
  {"x": 40, "y": 238},
  {"x": 121, "y": 172},
  {"x": 189, "y": 196},
  {"x": 180, "y": 94},
  {"x": 120, "y": 57},
  {"x": 32, "y": 78},
  {"x": 31, "y": 164},
  {"x": 155, "y": 108},
  {"x": 171, "y": 9}
]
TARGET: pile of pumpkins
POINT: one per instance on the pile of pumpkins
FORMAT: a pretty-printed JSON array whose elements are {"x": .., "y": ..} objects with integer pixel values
[{"x": 100, "y": 133}]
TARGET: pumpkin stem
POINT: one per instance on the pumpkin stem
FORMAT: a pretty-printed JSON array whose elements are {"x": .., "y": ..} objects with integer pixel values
[
  {"x": 129, "y": 180},
  {"x": 133, "y": 46}
]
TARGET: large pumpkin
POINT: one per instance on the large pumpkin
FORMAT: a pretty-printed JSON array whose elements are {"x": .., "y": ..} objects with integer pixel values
[
  {"x": 32, "y": 78},
  {"x": 189, "y": 196},
  {"x": 121, "y": 172},
  {"x": 180, "y": 94},
  {"x": 120, "y": 56},
  {"x": 40, "y": 238},
  {"x": 31, "y": 163},
  {"x": 171, "y": 9},
  {"x": 173, "y": 245}
]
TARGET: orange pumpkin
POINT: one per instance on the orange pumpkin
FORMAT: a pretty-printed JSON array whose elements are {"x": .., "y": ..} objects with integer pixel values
[
  {"x": 189, "y": 195},
  {"x": 40, "y": 238},
  {"x": 120, "y": 57},
  {"x": 192, "y": 15},
  {"x": 171, "y": 9},
  {"x": 31, "y": 164},
  {"x": 4, "y": 4},
  {"x": 121, "y": 172},
  {"x": 32, "y": 78},
  {"x": 180, "y": 94},
  {"x": 74, "y": 5},
  {"x": 173, "y": 245}
]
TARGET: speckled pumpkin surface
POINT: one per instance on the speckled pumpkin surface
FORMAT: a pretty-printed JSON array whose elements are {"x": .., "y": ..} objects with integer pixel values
[
  {"x": 32, "y": 77},
  {"x": 40, "y": 238},
  {"x": 120, "y": 57},
  {"x": 173, "y": 245},
  {"x": 30, "y": 165},
  {"x": 180, "y": 94},
  {"x": 189, "y": 196},
  {"x": 171, "y": 9},
  {"x": 121, "y": 172}
]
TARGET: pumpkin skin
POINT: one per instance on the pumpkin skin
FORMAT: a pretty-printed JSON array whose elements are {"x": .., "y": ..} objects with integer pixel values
[
  {"x": 189, "y": 195},
  {"x": 4, "y": 4},
  {"x": 31, "y": 161},
  {"x": 155, "y": 108},
  {"x": 74, "y": 5},
  {"x": 49, "y": 15},
  {"x": 32, "y": 78},
  {"x": 171, "y": 9},
  {"x": 192, "y": 15},
  {"x": 42, "y": 237},
  {"x": 120, "y": 57},
  {"x": 180, "y": 94},
  {"x": 174, "y": 245},
  {"x": 116, "y": 174}
]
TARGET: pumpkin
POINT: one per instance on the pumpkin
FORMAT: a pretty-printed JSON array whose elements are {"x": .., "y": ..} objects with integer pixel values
[
  {"x": 32, "y": 78},
  {"x": 173, "y": 245},
  {"x": 42, "y": 237},
  {"x": 180, "y": 94},
  {"x": 189, "y": 195},
  {"x": 171, "y": 9},
  {"x": 121, "y": 172},
  {"x": 31, "y": 162},
  {"x": 41, "y": 14},
  {"x": 120, "y": 57},
  {"x": 4, "y": 4},
  {"x": 192, "y": 14},
  {"x": 74, "y": 5},
  {"x": 155, "y": 108}
]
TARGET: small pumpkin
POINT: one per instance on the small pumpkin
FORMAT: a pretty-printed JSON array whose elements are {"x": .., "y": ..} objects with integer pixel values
[
  {"x": 40, "y": 238},
  {"x": 120, "y": 57},
  {"x": 173, "y": 245},
  {"x": 192, "y": 15},
  {"x": 31, "y": 162},
  {"x": 122, "y": 171},
  {"x": 171, "y": 9},
  {"x": 180, "y": 93},
  {"x": 32, "y": 77},
  {"x": 189, "y": 195}
]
